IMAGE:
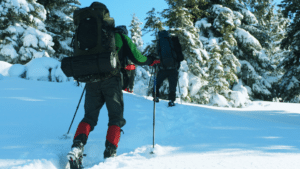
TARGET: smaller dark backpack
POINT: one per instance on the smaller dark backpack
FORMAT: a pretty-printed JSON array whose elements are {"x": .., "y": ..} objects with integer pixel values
[
  {"x": 166, "y": 51},
  {"x": 95, "y": 57}
]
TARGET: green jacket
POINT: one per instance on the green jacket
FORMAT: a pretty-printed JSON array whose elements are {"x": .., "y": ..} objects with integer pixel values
[{"x": 126, "y": 47}]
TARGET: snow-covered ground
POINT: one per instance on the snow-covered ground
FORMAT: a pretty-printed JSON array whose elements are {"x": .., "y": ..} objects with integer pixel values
[{"x": 36, "y": 114}]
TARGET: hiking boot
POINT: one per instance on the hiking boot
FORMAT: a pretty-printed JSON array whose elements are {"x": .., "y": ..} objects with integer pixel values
[
  {"x": 130, "y": 90},
  {"x": 110, "y": 150},
  {"x": 76, "y": 154},
  {"x": 171, "y": 103},
  {"x": 112, "y": 140},
  {"x": 156, "y": 99}
]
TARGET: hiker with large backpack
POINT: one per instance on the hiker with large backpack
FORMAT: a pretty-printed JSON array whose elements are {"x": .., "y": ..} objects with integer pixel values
[
  {"x": 98, "y": 49},
  {"x": 170, "y": 54},
  {"x": 127, "y": 66}
]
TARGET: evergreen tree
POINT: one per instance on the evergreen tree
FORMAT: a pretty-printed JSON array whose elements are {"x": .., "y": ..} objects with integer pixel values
[
  {"x": 217, "y": 35},
  {"x": 23, "y": 35},
  {"x": 59, "y": 23},
  {"x": 277, "y": 32},
  {"x": 136, "y": 33},
  {"x": 290, "y": 84},
  {"x": 232, "y": 22},
  {"x": 269, "y": 31},
  {"x": 142, "y": 75}
]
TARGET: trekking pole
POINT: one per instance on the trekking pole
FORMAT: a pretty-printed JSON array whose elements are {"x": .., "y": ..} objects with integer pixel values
[
  {"x": 150, "y": 78},
  {"x": 66, "y": 135},
  {"x": 179, "y": 91},
  {"x": 154, "y": 88}
]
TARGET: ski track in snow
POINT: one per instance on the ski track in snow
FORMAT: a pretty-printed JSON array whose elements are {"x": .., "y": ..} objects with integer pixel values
[{"x": 36, "y": 114}]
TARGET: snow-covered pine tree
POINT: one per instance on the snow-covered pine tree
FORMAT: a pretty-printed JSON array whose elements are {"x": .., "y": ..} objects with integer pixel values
[
  {"x": 142, "y": 74},
  {"x": 217, "y": 35},
  {"x": 269, "y": 31},
  {"x": 240, "y": 26},
  {"x": 136, "y": 32},
  {"x": 290, "y": 84},
  {"x": 277, "y": 32},
  {"x": 23, "y": 35},
  {"x": 59, "y": 23}
]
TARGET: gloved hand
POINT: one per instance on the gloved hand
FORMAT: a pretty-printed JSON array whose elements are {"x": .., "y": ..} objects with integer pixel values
[{"x": 155, "y": 62}]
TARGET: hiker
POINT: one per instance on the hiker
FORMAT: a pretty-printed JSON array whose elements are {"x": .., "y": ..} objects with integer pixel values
[
  {"x": 107, "y": 88},
  {"x": 127, "y": 66},
  {"x": 170, "y": 53},
  {"x": 130, "y": 75}
]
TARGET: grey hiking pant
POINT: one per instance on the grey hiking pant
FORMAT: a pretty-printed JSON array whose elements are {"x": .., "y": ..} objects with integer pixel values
[{"x": 110, "y": 92}]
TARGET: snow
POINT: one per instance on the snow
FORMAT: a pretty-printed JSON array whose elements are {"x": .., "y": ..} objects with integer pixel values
[
  {"x": 4, "y": 68},
  {"x": 9, "y": 51},
  {"x": 203, "y": 23},
  {"x": 17, "y": 29},
  {"x": 33, "y": 37},
  {"x": 195, "y": 84},
  {"x": 30, "y": 40},
  {"x": 183, "y": 83},
  {"x": 44, "y": 69},
  {"x": 35, "y": 114},
  {"x": 240, "y": 95},
  {"x": 293, "y": 83},
  {"x": 16, "y": 70},
  {"x": 218, "y": 100},
  {"x": 218, "y": 9},
  {"x": 246, "y": 38},
  {"x": 21, "y": 5},
  {"x": 249, "y": 16}
]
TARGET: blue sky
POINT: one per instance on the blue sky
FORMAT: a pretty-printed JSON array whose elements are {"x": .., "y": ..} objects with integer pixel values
[{"x": 122, "y": 11}]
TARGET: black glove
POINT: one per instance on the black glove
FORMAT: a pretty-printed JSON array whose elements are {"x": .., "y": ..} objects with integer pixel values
[{"x": 151, "y": 58}]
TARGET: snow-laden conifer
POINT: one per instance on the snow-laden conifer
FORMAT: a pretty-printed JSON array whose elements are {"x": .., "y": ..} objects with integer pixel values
[
  {"x": 269, "y": 31},
  {"x": 142, "y": 75},
  {"x": 231, "y": 23},
  {"x": 59, "y": 23},
  {"x": 290, "y": 84},
  {"x": 136, "y": 32},
  {"x": 23, "y": 35}
]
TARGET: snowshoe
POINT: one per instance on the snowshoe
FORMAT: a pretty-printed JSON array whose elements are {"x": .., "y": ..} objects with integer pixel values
[
  {"x": 75, "y": 156},
  {"x": 171, "y": 103},
  {"x": 130, "y": 90},
  {"x": 110, "y": 150},
  {"x": 156, "y": 99}
]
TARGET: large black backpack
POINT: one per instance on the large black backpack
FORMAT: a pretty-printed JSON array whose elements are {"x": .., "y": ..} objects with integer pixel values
[
  {"x": 166, "y": 51},
  {"x": 95, "y": 56}
]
